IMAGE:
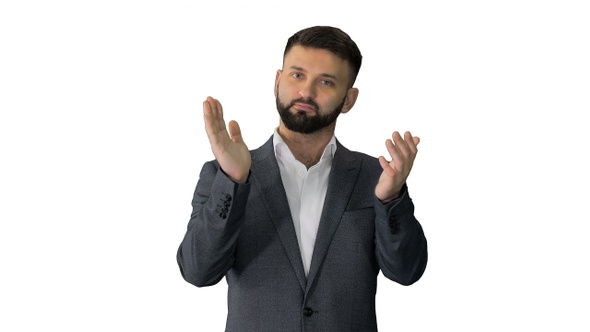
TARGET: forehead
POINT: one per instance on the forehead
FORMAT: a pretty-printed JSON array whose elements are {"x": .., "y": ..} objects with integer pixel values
[{"x": 316, "y": 60}]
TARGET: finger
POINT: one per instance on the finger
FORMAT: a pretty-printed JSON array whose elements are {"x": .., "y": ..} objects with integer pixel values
[
  {"x": 401, "y": 144},
  {"x": 217, "y": 116},
  {"x": 214, "y": 124},
  {"x": 210, "y": 108},
  {"x": 208, "y": 117},
  {"x": 217, "y": 111},
  {"x": 386, "y": 168},
  {"x": 397, "y": 158},
  {"x": 235, "y": 132},
  {"x": 411, "y": 142}
]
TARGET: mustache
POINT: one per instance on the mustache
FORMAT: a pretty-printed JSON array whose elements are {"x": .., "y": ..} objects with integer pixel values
[{"x": 304, "y": 101}]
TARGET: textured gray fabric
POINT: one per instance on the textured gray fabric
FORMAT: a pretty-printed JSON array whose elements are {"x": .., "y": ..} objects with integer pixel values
[{"x": 245, "y": 233}]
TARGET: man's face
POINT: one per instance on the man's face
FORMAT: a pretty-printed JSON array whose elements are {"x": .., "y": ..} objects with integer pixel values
[{"x": 311, "y": 90}]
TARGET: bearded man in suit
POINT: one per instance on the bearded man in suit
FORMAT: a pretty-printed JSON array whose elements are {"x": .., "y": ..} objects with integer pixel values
[{"x": 301, "y": 227}]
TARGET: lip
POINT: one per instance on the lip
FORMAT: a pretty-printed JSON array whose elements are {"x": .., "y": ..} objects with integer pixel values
[{"x": 304, "y": 107}]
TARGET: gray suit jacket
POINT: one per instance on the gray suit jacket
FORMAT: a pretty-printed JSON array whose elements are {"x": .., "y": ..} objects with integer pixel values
[{"x": 245, "y": 233}]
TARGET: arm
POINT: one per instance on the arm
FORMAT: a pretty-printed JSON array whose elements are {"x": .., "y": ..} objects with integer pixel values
[
  {"x": 206, "y": 252},
  {"x": 219, "y": 203},
  {"x": 400, "y": 244},
  {"x": 401, "y": 247}
]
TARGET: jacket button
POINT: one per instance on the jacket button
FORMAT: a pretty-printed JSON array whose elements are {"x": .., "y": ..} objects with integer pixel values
[{"x": 307, "y": 311}]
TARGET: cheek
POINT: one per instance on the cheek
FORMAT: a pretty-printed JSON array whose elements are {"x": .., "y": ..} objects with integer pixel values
[
  {"x": 277, "y": 87},
  {"x": 284, "y": 93},
  {"x": 329, "y": 103}
]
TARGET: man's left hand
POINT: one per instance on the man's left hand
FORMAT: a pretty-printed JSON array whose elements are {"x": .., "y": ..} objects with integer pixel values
[{"x": 403, "y": 152}]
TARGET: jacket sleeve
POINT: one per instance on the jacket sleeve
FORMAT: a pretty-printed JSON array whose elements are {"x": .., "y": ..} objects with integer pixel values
[
  {"x": 400, "y": 244},
  {"x": 207, "y": 250}
]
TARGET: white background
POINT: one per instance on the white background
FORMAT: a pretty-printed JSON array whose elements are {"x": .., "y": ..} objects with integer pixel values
[{"x": 102, "y": 141}]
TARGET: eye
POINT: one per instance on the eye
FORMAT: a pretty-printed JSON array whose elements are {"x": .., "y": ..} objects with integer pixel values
[
  {"x": 326, "y": 82},
  {"x": 297, "y": 75}
]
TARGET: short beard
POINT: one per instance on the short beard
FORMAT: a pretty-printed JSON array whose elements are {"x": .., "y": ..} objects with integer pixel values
[{"x": 301, "y": 122}]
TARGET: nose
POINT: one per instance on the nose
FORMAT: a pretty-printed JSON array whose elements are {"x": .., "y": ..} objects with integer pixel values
[{"x": 308, "y": 90}]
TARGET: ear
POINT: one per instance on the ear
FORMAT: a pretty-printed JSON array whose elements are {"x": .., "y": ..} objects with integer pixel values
[
  {"x": 277, "y": 79},
  {"x": 351, "y": 96}
]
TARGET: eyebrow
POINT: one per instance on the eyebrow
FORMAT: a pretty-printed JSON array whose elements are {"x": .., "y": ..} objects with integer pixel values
[{"x": 323, "y": 74}]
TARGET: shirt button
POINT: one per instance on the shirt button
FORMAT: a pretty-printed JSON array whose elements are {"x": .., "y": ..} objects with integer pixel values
[{"x": 307, "y": 311}]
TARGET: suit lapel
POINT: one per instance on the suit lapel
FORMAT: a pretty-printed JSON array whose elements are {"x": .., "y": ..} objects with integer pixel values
[
  {"x": 265, "y": 170},
  {"x": 343, "y": 176}
]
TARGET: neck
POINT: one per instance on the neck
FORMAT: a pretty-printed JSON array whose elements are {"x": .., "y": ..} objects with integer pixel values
[{"x": 307, "y": 148}]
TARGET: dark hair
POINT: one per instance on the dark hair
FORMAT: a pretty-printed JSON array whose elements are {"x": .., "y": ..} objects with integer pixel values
[{"x": 330, "y": 39}]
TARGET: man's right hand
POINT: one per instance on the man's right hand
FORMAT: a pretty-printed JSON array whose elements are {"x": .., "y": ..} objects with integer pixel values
[{"x": 229, "y": 149}]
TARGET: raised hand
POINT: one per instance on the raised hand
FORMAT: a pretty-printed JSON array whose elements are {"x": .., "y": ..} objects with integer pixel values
[
  {"x": 403, "y": 152},
  {"x": 229, "y": 148}
]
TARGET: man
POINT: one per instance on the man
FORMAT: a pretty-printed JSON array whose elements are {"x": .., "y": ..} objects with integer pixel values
[{"x": 301, "y": 226}]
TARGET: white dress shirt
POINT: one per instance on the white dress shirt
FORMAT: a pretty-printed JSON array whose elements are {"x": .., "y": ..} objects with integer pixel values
[{"x": 306, "y": 192}]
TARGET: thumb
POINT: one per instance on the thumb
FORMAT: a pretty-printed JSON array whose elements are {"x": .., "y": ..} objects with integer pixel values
[{"x": 235, "y": 132}]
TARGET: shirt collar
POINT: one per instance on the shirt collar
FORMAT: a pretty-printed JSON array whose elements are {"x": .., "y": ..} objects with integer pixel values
[{"x": 282, "y": 150}]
